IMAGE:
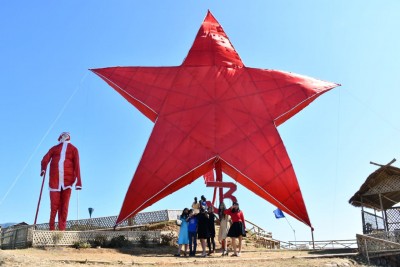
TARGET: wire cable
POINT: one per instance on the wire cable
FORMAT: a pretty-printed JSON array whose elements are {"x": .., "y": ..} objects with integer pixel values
[{"x": 43, "y": 138}]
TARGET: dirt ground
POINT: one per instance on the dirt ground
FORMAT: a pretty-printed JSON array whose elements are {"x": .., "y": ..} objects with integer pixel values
[{"x": 156, "y": 256}]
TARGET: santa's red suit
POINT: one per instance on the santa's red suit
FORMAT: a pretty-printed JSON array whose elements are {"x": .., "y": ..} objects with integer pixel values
[{"x": 64, "y": 172}]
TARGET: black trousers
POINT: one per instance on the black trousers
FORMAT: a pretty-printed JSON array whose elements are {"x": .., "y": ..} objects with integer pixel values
[{"x": 211, "y": 241}]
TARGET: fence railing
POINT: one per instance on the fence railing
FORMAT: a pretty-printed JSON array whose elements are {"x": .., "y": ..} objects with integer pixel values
[
  {"x": 18, "y": 237},
  {"x": 22, "y": 236},
  {"x": 372, "y": 222},
  {"x": 108, "y": 222},
  {"x": 257, "y": 230},
  {"x": 264, "y": 238},
  {"x": 68, "y": 238},
  {"x": 379, "y": 244},
  {"x": 321, "y": 244}
]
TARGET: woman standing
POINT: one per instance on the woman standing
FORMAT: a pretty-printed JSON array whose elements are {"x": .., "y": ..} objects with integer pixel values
[
  {"x": 183, "y": 238},
  {"x": 211, "y": 231},
  {"x": 223, "y": 228},
  {"x": 238, "y": 228},
  {"x": 202, "y": 229}
]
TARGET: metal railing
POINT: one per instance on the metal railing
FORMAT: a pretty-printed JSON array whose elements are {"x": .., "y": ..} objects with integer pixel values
[
  {"x": 321, "y": 244},
  {"x": 108, "y": 222}
]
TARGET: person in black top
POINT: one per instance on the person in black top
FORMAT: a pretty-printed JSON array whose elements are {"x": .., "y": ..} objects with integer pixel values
[
  {"x": 211, "y": 230},
  {"x": 202, "y": 229}
]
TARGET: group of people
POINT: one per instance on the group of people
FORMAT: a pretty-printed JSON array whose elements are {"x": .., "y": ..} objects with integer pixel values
[{"x": 199, "y": 223}]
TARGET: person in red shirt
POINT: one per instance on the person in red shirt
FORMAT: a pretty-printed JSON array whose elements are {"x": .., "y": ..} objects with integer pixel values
[
  {"x": 64, "y": 172},
  {"x": 238, "y": 227}
]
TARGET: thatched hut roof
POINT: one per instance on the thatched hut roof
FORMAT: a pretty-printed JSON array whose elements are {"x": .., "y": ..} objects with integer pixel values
[{"x": 384, "y": 181}]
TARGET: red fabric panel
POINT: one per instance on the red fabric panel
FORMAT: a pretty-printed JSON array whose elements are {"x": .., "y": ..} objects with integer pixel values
[{"x": 209, "y": 177}]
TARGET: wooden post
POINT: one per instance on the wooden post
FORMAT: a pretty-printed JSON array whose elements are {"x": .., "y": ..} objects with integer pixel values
[
  {"x": 383, "y": 213},
  {"x": 386, "y": 223},
  {"x": 366, "y": 250},
  {"x": 380, "y": 165},
  {"x": 376, "y": 219},
  {"x": 362, "y": 216}
]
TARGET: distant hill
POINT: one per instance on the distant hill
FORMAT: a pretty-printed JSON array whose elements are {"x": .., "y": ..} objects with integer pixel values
[{"x": 5, "y": 225}]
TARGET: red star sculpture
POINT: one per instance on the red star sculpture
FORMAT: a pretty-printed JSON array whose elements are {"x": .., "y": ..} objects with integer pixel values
[{"x": 213, "y": 108}]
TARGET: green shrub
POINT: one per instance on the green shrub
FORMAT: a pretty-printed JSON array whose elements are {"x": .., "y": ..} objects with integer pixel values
[
  {"x": 168, "y": 239},
  {"x": 81, "y": 244},
  {"x": 99, "y": 240},
  {"x": 120, "y": 242},
  {"x": 57, "y": 236},
  {"x": 143, "y": 241}
]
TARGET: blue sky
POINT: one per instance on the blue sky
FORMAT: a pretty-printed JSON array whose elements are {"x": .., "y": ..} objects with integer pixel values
[{"x": 47, "y": 48}]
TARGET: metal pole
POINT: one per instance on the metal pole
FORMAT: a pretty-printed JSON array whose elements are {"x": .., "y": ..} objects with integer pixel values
[
  {"x": 40, "y": 198},
  {"x": 218, "y": 174},
  {"x": 312, "y": 236}
]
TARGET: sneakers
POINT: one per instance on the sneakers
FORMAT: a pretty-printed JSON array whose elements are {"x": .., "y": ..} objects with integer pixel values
[{"x": 203, "y": 255}]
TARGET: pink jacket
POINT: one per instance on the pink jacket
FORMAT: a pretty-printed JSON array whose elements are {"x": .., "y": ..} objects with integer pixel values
[{"x": 64, "y": 167}]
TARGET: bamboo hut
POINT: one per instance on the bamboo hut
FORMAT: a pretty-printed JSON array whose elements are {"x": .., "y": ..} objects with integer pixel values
[{"x": 380, "y": 192}]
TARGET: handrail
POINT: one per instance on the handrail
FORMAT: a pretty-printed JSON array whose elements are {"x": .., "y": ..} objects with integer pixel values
[
  {"x": 371, "y": 246},
  {"x": 260, "y": 231},
  {"x": 321, "y": 244}
]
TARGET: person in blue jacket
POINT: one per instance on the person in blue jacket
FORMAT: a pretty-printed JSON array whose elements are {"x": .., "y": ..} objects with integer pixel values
[{"x": 192, "y": 227}]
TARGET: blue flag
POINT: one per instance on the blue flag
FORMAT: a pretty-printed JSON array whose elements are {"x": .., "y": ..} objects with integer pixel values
[{"x": 279, "y": 214}]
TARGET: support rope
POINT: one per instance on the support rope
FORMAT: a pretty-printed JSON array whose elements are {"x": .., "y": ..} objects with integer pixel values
[{"x": 41, "y": 140}]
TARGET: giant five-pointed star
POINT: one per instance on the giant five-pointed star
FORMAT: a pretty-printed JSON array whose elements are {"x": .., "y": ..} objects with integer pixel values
[{"x": 211, "y": 108}]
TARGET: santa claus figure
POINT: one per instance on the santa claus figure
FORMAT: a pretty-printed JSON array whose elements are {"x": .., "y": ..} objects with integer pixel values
[{"x": 64, "y": 173}]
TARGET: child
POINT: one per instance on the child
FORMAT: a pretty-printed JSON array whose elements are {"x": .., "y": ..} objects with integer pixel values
[
  {"x": 183, "y": 238},
  {"x": 192, "y": 227},
  {"x": 223, "y": 228}
]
